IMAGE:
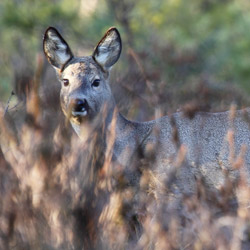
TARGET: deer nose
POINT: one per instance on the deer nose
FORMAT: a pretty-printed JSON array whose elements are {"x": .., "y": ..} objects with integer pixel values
[{"x": 79, "y": 105}]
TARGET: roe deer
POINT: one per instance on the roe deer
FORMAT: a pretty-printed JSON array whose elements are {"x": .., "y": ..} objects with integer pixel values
[{"x": 208, "y": 143}]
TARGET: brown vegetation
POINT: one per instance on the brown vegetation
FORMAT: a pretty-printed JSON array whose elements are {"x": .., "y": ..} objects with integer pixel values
[{"x": 57, "y": 193}]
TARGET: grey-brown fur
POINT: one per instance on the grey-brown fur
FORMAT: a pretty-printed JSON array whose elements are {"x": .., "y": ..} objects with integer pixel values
[{"x": 210, "y": 143}]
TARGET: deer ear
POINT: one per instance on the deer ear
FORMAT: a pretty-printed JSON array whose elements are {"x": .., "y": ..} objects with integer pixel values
[
  {"x": 56, "y": 49},
  {"x": 108, "y": 50}
]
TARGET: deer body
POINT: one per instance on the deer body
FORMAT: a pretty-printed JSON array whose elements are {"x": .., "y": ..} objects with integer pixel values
[
  {"x": 213, "y": 142},
  {"x": 209, "y": 142}
]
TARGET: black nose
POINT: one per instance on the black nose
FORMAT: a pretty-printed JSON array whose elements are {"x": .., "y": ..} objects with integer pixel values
[{"x": 79, "y": 105}]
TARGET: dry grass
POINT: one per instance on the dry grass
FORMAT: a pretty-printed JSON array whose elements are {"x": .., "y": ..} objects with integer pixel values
[{"x": 58, "y": 193}]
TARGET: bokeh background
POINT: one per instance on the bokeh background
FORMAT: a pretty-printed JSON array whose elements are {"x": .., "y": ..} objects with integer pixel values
[
  {"x": 174, "y": 52},
  {"x": 55, "y": 192}
]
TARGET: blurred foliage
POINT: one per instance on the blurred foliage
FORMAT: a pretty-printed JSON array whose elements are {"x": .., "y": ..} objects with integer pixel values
[
  {"x": 175, "y": 52},
  {"x": 214, "y": 32},
  {"x": 178, "y": 41}
]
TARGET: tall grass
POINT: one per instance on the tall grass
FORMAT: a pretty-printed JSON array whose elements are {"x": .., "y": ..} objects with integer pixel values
[{"x": 60, "y": 193}]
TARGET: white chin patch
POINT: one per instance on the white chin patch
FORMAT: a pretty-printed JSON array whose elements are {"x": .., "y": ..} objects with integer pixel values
[
  {"x": 76, "y": 128},
  {"x": 82, "y": 113}
]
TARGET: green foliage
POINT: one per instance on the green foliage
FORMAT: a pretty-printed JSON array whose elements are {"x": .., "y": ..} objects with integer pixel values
[
  {"x": 182, "y": 39},
  {"x": 215, "y": 31}
]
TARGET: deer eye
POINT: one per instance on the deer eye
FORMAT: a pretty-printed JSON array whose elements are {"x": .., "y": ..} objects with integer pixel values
[
  {"x": 65, "y": 82},
  {"x": 96, "y": 83}
]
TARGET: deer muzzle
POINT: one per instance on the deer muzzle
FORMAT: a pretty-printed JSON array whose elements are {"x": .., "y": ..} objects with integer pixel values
[{"x": 79, "y": 107}]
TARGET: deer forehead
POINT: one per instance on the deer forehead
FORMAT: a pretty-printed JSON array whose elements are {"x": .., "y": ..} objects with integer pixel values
[{"x": 81, "y": 69}]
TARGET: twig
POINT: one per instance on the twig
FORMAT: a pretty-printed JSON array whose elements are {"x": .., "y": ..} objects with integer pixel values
[
  {"x": 16, "y": 105},
  {"x": 8, "y": 103},
  {"x": 149, "y": 84}
]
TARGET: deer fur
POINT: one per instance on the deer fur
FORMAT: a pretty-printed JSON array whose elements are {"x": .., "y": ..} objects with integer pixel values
[{"x": 208, "y": 145}]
